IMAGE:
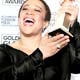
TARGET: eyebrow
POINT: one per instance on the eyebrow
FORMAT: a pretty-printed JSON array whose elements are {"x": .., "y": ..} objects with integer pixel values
[{"x": 35, "y": 5}]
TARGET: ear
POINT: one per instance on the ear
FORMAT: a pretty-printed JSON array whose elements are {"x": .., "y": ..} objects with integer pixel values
[{"x": 45, "y": 25}]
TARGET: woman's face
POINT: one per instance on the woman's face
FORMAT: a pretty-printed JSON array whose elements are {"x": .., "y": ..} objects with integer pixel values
[{"x": 32, "y": 17}]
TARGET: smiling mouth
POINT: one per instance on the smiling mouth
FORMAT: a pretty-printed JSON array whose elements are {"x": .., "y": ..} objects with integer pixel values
[{"x": 29, "y": 21}]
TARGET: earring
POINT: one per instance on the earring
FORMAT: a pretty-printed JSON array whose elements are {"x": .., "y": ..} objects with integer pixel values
[{"x": 43, "y": 29}]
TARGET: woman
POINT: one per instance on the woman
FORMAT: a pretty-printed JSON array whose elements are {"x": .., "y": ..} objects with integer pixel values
[{"x": 34, "y": 57}]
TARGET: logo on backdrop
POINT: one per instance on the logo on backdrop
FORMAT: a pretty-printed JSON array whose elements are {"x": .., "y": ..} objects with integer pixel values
[
  {"x": 12, "y": 2},
  {"x": 9, "y": 38},
  {"x": 9, "y": 21}
]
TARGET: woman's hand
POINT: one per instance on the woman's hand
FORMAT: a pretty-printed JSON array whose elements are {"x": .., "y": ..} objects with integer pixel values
[
  {"x": 70, "y": 7},
  {"x": 51, "y": 45}
]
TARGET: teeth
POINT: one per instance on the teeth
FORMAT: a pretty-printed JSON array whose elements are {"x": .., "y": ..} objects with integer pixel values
[{"x": 28, "y": 20}]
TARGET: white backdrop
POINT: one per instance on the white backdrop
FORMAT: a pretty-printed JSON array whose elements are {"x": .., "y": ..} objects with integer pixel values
[{"x": 9, "y": 22}]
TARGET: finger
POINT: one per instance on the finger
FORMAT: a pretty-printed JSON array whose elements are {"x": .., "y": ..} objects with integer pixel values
[
  {"x": 63, "y": 1},
  {"x": 57, "y": 37},
  {"x": 65, "y": 38},
  {"x": 64, "y": 42}
]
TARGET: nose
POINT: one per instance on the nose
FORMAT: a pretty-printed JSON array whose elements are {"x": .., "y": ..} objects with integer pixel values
[{"x": 29, "y": 12}]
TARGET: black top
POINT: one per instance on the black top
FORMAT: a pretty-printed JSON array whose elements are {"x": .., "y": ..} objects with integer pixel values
[{"x": 17, "y": 65}]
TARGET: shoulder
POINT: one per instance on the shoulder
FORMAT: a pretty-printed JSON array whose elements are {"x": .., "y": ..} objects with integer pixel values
[
  {"x": 5, "y": 59},
  {"x": 4, "y": 56},
  {"x": 2, "y": 50}
]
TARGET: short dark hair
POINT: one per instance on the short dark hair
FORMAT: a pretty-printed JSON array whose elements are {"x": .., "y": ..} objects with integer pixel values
[{"x": 48, "y": 12}]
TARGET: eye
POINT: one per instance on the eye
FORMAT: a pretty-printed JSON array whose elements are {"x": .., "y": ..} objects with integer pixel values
[
  {"x": 24, "y": 8},
  {"x": 37, "y": 10}
]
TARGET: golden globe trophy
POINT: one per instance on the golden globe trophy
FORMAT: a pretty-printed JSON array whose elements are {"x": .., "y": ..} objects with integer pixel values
[{"x": 62, "y": 24}]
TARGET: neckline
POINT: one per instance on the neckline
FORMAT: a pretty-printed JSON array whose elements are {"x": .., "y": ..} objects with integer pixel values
[{"x": 12, "y": 48}]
